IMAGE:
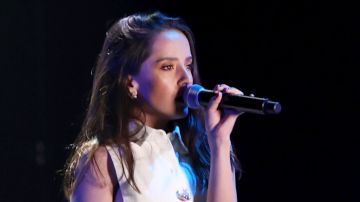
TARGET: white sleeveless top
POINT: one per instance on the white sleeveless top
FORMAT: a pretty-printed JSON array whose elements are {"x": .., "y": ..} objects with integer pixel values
[{"x": 161, "y": 170}]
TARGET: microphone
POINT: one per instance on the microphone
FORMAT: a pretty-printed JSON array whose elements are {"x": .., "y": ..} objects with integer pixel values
[{"x": 196, "y": 96}]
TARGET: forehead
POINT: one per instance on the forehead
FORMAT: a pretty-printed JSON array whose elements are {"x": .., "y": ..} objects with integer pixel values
[{"x": 170, "y": 40}]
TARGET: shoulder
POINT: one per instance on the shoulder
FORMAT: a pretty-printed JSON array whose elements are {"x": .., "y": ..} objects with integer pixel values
[
  {"x": 96, "y": 166},
  {"x": 95, "y": 176}
]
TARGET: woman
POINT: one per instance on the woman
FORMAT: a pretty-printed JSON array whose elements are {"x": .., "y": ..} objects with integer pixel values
[{"x": 138, "y": 141}]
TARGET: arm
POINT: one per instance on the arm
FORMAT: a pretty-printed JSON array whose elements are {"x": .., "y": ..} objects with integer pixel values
[
  {"x": 222, "y": 186},
  {"x": 219, "y": 125},
  {"x": 95, "y": 179}
]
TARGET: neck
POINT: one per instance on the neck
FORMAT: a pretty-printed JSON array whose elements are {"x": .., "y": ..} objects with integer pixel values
[
  {"x": 153, "y": 121},
  {"x": 157, "y": 123}
]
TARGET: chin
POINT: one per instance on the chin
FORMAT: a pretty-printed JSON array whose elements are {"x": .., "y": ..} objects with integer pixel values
[{"x": 181, "y": 111}]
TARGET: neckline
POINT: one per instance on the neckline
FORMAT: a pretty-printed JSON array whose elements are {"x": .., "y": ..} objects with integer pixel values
[{"x": 143, "y": 132}]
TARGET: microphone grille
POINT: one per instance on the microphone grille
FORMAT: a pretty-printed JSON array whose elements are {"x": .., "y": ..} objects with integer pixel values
[{"x": 191, "y": 95}]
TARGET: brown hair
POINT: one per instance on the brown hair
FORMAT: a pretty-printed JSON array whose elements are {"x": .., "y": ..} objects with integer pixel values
[{"x": 126, "y": 47}]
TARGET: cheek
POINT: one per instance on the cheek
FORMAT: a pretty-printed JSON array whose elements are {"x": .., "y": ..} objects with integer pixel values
[
  {"x": 147, "y": 90},
  {"x": 162, "y": 89},
  {"x": 157, "y": 88},
  {"x": 153, "y": 90}
]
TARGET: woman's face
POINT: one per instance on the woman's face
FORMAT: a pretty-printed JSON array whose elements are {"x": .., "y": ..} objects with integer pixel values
[{"x": 162, "y": 76}]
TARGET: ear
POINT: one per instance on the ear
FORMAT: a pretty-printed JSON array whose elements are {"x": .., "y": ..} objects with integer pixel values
[{"x": 132, "y": 85}]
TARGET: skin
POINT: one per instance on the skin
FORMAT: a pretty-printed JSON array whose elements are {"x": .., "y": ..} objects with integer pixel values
[{"x": 162, "y": 76}]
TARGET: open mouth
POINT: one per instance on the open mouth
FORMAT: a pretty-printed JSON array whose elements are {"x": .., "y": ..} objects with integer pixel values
[{"x": 179, "y": 96}]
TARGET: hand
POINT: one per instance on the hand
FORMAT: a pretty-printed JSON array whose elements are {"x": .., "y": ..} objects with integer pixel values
[{"x": 219, "y": 123}]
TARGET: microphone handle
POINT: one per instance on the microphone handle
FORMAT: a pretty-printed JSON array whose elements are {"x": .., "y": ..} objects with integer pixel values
[{"x": 242, "y": 103}]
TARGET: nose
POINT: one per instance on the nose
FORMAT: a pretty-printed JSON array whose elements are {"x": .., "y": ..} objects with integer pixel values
[{"x": 185, "y": 76}]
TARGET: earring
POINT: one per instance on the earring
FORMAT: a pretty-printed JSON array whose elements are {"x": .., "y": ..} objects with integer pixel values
[{"x": 133, "y": 95}]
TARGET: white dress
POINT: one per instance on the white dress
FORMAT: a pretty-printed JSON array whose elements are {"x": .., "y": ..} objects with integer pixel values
[{"x": 162, "y": 173}]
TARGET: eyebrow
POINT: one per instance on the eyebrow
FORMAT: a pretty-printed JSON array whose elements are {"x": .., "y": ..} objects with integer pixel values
[{"x": 171, "y": 58}]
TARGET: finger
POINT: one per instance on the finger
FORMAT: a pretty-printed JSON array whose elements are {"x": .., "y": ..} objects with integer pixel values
[
  {"x": 229, "y": 120},
  {"x": 232, "y": 90},
  {"x": 232, "y": 112},
  {"x": 227, "y": 89},
  {"x": 214, "y": 102},
  {"x": 221, "y": 87}
]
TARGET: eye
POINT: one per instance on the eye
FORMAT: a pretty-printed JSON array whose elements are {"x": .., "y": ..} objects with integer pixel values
[
  {"x": 167, "y": 67},
  {"x": 189, "y": 67}
]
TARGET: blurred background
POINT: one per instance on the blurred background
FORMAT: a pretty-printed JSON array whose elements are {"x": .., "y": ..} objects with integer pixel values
[{"x": 304, "y": 54}]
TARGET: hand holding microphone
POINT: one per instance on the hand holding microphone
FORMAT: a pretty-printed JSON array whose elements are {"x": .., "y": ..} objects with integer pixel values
[{"x": 196, "y": 96}]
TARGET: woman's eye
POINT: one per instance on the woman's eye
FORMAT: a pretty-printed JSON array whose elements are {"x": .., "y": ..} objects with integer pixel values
[
  {"x": 167, "y": 67},
  {"x": 189, "y": 67}
]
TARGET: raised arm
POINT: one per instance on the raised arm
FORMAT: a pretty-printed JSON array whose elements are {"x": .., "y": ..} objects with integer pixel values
[{"x": 219, "y": 125}]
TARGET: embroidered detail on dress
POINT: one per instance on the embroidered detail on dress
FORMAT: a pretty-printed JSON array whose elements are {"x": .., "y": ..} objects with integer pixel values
[{"x": 183, "y": 195}]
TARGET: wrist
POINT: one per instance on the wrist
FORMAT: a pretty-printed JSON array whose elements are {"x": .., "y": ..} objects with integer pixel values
[{"x": 220, "y": 146}]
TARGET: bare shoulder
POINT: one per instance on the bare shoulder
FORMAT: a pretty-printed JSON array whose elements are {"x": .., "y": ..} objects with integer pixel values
[
  {"x": 95, "y": 166},
  {"x": 94, "y": 176}
]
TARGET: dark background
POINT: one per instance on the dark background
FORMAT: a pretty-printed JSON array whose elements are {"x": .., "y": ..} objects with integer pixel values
[{"x": 303, "y": 54}]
